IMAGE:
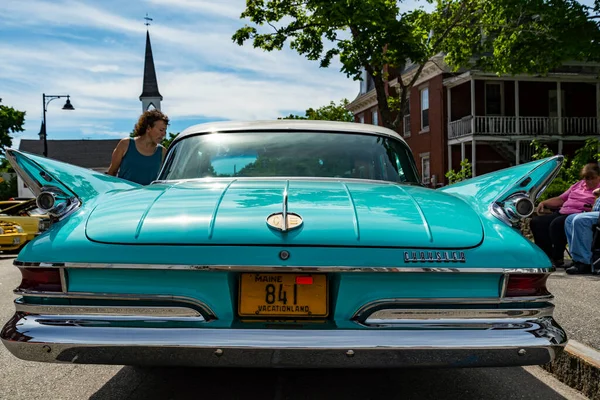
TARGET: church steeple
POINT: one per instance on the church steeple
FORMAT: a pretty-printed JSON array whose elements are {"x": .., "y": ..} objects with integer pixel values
[{"x": 150, "y": 96}]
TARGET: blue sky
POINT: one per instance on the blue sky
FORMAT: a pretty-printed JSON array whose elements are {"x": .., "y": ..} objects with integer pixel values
[{"x": 94, "y": 51}]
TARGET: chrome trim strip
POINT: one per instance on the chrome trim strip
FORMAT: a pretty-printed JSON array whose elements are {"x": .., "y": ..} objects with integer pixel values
[
  {"x": 118, "y": 312},
  {"x": 504, "y": 285},
  {"x": 292, "y": 268},
  {"x": 371, "y": 307},
  {"x": 452, "y": 316},
  {"x": 208, "y": 312},
  {"x": 534, "y": 194},
  {"x": 33, "y": 185},
  {"x": 63, "y": 280}
]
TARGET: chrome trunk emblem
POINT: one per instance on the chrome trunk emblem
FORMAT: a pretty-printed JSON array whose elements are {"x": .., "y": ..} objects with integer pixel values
[{"x": 291, "y": 221}]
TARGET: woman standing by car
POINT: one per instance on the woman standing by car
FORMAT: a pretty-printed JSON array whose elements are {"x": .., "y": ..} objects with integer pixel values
[
  {"x": 139, "y": 159},
  {"x": 549, "y": 229}
]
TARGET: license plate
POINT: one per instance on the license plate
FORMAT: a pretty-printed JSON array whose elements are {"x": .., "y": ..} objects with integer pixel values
[
  {"x": 283, "y": 295},
  {"x": 16, "y": 240}
]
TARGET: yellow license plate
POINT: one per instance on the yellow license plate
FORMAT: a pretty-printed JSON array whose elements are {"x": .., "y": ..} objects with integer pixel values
[{"x": 283, "y": 295}]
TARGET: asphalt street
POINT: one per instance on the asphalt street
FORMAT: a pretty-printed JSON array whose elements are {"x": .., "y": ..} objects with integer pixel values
[
  {"x": 577, "y": 298},
  {"x": 29, "y": 380}
]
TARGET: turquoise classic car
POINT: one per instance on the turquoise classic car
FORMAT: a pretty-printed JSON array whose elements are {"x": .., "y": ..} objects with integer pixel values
[{"x": 284, "y": 244}]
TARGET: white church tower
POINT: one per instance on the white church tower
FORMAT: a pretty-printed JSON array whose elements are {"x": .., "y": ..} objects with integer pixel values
[{"x": 150, "y": 96}]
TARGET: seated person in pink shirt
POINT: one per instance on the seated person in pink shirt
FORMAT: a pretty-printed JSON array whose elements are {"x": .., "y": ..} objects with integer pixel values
[{"x": 549, "y": 229}]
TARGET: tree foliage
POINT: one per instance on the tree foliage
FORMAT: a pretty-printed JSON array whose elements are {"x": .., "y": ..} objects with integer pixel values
[
  {"x": 8, "y": 188},
  {"x": 331, "y": 112},
  {"x": 166, "y": 141},
  {"x": 465, "y": 172},
  {"x": 379, "y": 36},
  {"x": 11, "y": 121}
]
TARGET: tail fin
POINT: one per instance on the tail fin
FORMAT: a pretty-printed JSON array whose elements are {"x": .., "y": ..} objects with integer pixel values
[
  {"x": 510, "y": 193},
  {"x": 67, "y": 184}
]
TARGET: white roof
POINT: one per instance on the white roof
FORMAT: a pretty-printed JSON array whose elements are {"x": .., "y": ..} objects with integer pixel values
[{"x": 288, "y": 124}]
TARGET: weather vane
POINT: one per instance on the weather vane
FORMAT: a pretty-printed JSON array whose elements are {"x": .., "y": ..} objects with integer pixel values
[{"x": 148, "y": 19}]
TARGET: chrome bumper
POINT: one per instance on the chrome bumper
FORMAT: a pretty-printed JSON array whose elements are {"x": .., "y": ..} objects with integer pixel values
[{"x": 485, "y": 343}]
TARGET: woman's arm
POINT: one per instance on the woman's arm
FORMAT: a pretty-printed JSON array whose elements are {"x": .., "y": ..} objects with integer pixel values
[
  {"x": 554, "y": 202},
  {"x": 117, "y": 156}
]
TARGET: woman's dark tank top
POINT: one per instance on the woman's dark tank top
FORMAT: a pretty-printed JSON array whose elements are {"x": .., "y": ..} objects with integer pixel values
[{"x": 138, "y": 168}]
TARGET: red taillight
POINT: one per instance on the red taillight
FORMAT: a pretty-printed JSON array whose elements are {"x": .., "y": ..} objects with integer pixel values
[
  {"x": 520, "y": 285},
  {"x": 41, "y": 279}
]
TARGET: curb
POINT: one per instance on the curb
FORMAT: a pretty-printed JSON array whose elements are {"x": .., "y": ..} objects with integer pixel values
[{"x": 578, "y": 366}]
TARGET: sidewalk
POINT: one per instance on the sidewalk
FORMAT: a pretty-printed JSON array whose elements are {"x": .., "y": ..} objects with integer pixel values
[{"x": 577, "y": 301}]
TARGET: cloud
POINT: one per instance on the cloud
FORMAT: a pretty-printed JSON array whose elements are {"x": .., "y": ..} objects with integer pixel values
[
  {"x": 95, "y": 53},
  {"x": 223, "y": 8}
]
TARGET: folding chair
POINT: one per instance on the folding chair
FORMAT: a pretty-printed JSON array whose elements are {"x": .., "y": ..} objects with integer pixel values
[{"x": 596, "y": 247}]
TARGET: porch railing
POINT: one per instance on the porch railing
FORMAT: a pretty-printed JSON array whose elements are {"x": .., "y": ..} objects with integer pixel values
[{"x": 494, "y": 125}]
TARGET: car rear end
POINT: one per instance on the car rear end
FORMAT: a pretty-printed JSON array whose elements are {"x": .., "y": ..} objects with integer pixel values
[{"x": 283, "y": 316}]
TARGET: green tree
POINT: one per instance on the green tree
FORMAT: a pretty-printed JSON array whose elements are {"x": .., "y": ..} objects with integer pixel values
[
  {"x": 465, "y": 172},
  {"x": 166, "y": 141},
  {"x": 8, "y": 188},
  {"x": 379, "y": 36},
  {"x": 11, "y": 121},
  {"x": 331, "y": 112},
  {"x": 540, "y": 150}
]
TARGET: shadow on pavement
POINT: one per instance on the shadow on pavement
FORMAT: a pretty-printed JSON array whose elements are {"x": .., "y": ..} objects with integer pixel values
[{"x": 200, "y": 383}]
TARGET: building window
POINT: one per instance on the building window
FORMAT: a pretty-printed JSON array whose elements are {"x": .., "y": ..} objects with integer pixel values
[
  {"x": 375, "y": 117},
  {"x": 494, "y": 94},
  {"x": 425, "y": 169},
  {"x": 361, "y": 118},
  {"x": 425, "y": 109}
]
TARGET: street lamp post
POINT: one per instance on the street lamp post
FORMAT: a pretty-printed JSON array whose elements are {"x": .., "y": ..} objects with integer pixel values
[{"x": 49, "y": 98}]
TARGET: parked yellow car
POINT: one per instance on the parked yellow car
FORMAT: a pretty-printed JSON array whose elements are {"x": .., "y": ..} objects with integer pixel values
[
  {"x": 26, "y": 215},
  {"x": 12, "y": 236}
]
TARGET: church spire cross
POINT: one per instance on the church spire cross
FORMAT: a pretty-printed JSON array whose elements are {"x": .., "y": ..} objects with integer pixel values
[{"x": 148, "y": 19}]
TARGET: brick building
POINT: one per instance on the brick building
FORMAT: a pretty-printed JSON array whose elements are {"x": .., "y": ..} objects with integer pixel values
[{"x": 489, "y": 119}]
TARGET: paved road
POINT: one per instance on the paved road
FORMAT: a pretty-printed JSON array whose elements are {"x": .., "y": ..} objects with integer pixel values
[
  {"x": 577, "y": 300},
  {"x": 28, "y": 380}
]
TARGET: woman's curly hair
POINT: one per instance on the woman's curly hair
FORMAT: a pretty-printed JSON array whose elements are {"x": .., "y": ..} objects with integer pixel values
[{"x": 148, "y": 119}]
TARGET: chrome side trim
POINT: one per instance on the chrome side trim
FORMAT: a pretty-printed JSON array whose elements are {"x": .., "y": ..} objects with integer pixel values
[
  {"x": 63, "y": 280},
  {"x": 535, "y": 193},
  {"x": 504, "y": 285},
  {"x": 32, "y": 184},
  {"x": 292, "y": 268},
  {"x": 121, "y": 313},
  {"x": 208, "y": 313},
  {"x": 395, "y": 316},
  {"x": 367, "y": 309}
]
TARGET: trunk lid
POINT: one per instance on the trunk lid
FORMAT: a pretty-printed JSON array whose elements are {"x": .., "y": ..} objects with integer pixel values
[{"x": 334, "y": 213}]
